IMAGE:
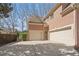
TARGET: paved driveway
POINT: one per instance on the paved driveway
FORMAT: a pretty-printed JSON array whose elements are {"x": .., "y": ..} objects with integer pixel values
[{"x": 37, "y": 48}]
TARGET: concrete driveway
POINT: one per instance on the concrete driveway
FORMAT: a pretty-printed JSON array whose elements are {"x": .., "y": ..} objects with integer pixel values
[{"x": 37, "y": 48}]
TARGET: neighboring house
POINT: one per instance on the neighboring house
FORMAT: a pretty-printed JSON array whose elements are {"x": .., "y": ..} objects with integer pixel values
[
  {"x": 63, "y": 21},
  {"x": 37, "y": 28}
]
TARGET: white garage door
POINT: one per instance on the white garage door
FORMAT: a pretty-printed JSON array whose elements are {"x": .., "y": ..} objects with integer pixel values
[
  {"x": 36, "y": 35},
  {"x": 63, "y": 36}
]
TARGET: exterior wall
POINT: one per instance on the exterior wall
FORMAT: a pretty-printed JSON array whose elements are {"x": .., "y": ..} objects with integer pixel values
[
  {"x": 53, "y": 20},
  {"x": 35, "y": 26},
  {"x": 57, "y": 14},
  {"x": 58, "y": 21}
]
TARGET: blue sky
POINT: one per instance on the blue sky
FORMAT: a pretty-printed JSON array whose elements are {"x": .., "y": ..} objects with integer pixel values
[
  {"x": 40, "y": 9},
  {"x": 24, "y": 10}
]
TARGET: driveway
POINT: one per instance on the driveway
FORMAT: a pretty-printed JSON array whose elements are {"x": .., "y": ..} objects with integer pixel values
[{"x": 37, "y": 48}]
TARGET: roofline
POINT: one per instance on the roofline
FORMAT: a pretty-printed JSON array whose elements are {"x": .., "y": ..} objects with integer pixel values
[
  {"x": 34, "y": 21},
  {"x": 53, "y": 10}
]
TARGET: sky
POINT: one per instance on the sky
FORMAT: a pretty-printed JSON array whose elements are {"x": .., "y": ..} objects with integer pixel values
[
  {"x": 22, "y": 11},
  {"x": 40, "y": 9}
]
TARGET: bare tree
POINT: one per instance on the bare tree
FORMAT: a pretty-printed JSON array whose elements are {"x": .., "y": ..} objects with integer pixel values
[
  {"x": 23, "y": 13},
  {"x": 12, "y": 20}
]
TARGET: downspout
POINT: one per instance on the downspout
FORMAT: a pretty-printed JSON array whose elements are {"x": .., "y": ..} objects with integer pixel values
[{"x": 75, "y": 25}]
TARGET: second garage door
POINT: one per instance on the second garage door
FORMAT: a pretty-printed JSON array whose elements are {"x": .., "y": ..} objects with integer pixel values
[
  {"x": 63, "y": 36},
  {"x": 36, "y": 35}
]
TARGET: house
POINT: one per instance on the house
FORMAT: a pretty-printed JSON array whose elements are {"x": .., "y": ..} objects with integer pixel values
[
  {"x": 63, "y": 22},
  {"x": 37, "y": 29},
  {"x": 61, "y": 25}
]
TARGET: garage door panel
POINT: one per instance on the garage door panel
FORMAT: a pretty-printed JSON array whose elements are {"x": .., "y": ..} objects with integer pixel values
[
  {"x": 36, "y": 35},
  {"x": 63, "y": 37}
]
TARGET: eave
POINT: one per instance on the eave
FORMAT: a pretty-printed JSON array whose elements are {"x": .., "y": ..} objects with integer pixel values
[{"x": 53, "y": 10}]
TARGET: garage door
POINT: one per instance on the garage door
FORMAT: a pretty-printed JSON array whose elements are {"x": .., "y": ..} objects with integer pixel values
[
  {"x": 63, "y": 36},
  {"x": 36, "y": 35}
]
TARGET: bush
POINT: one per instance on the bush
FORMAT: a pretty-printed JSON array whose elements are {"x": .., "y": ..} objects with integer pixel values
[{"x": 24, "y": 37}]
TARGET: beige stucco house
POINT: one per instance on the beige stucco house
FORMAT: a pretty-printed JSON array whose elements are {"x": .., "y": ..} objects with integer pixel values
[{"x": 61, "y": 25}]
